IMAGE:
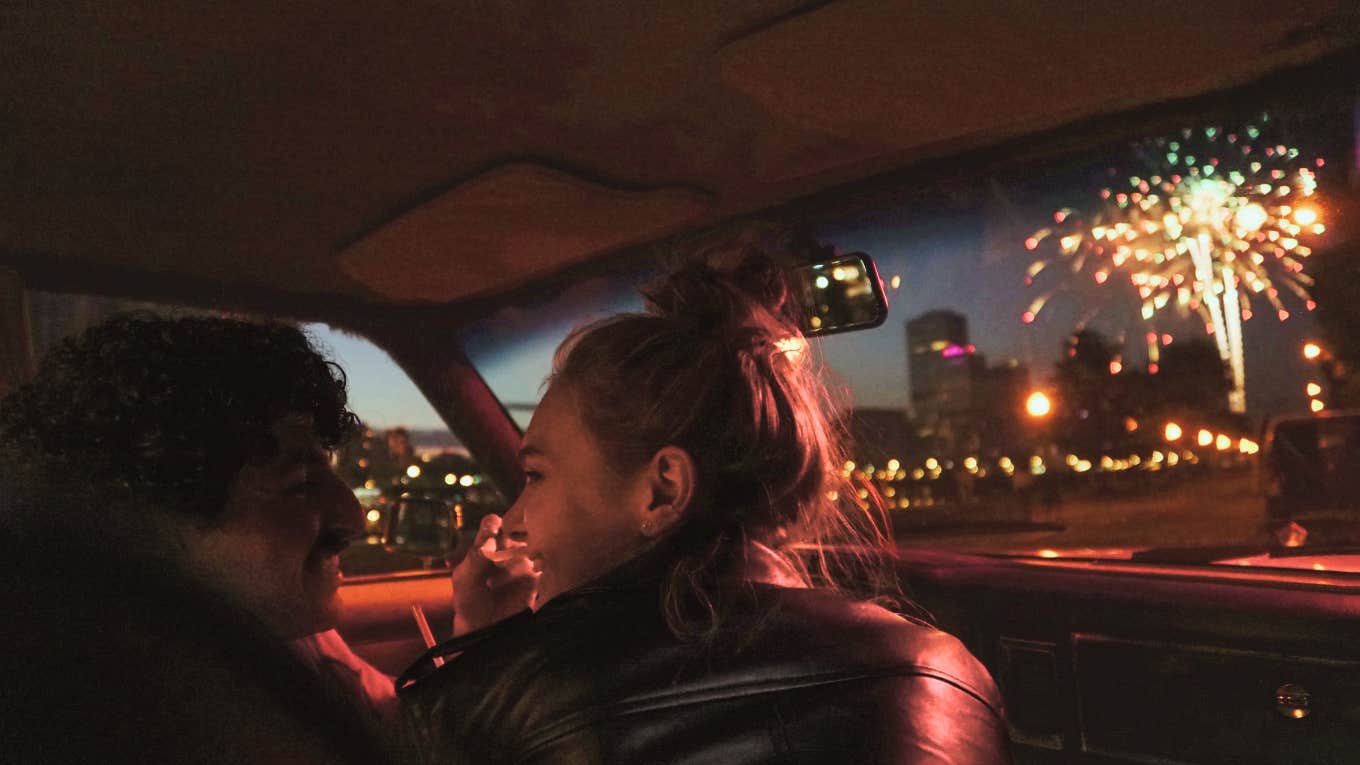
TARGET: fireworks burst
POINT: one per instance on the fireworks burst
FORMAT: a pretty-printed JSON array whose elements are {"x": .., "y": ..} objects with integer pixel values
[{"x": 1218, "y": 220}]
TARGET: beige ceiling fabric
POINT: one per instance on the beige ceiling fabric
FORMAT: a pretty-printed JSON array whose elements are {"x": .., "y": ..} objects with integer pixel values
[
  {"x": 884, "y": 76},
  {"x": 511, "y": 223}
]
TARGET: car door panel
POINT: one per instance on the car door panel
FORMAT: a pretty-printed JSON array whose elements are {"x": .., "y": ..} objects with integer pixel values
[
  {"x": 377, "y": 621},
  {"x": 1157, "y": 664}
]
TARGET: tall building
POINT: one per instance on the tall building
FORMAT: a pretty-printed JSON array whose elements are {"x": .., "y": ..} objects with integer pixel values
[
  {"x": 960, "y": 405},
  {"x": 943, "y": 367}
]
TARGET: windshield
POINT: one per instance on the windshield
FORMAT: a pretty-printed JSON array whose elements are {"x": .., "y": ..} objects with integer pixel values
[{"x": 1090, "y": 354}]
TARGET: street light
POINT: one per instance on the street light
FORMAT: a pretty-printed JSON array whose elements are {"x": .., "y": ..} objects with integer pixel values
[{"x": 1038, "y": 404}]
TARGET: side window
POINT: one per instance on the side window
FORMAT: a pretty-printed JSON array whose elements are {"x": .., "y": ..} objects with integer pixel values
[
  {"x": 415, "y": 480},
  {"x": 403, "y": 456}
]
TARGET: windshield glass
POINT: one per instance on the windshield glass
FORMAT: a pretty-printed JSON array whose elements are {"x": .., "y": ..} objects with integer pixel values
[{"x": 1088, "y": 354}]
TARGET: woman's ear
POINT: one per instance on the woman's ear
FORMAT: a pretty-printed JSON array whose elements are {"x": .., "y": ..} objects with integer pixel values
[{"x": 671, "y": 487}]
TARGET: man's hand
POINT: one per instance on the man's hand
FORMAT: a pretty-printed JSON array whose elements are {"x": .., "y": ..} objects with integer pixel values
[{"x": 491, "y": 582}]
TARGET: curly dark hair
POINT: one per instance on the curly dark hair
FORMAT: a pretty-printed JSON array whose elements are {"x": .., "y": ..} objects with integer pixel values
[{"x": 143, "y": 412}]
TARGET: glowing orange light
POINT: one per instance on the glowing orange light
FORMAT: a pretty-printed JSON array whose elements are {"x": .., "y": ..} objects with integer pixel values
[
  {"x": 1038, "y": 404},
  {"x": 1311, "y": 351},
  {"x": 1314, "y": 389},
  {"x": 1116, "y": 367},
  {"x": 1305, "y": 216},
  {"x": 1130, "y": 424},
  {"x": 1027, "y": 317},
  {"x": 1223, "y": 443},
  {"x": 373, "y": 516},
  {"x": 1204, "y": 438},
  {"x": 1173, "y": 432},
  {"x": 1316, "y": 405}
]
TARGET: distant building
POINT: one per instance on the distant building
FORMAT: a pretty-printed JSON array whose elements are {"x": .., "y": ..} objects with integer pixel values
[
  {"x": 961, "y": 406},
  {"x": 879, "y": 435},
  {"x": 1000, "y": 407},
  {"x": 940, "y": 364}
]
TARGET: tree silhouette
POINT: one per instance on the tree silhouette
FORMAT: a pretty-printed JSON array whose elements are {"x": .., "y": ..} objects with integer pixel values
[
  {"x": 1338, "y": 299},
  {"x": 1107, "y": 409}
]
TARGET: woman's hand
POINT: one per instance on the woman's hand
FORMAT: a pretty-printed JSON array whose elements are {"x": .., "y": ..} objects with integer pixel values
[{"x": 490, "y": 583}]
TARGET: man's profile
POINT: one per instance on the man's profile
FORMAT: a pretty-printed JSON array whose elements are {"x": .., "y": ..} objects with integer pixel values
[{"x": 170, "y": 518}]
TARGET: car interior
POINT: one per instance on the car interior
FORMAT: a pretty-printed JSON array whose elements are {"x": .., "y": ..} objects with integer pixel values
[{"x": 429, "y": 177}]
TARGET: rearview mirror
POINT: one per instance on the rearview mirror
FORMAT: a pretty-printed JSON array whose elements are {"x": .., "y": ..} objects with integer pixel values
[{"x": 840, "y": 294}]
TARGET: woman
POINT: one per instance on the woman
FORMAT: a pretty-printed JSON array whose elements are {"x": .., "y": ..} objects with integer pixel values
[{"x": 679, "y": 467}]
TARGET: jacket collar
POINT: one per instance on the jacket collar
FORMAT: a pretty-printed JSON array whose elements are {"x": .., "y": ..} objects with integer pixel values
[{"x": 758, "y": 565}]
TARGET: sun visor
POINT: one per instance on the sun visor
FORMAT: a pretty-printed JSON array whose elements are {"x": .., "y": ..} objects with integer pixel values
[{"x": 508, "y": 225}]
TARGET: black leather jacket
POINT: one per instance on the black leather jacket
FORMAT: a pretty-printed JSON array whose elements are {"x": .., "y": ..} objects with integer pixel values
[{"x": 799, "y": 675}]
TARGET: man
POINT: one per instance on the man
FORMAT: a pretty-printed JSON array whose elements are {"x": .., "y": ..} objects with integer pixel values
[{"x": 170, "y": 517}]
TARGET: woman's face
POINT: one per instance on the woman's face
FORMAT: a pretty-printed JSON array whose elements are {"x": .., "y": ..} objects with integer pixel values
[{"x": 578, "y": 517}]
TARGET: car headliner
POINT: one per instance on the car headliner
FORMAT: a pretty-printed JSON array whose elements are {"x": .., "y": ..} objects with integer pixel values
[{"x": 435, "y": 152}]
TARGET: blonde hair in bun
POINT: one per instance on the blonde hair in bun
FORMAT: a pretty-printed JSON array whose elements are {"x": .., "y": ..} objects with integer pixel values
[{"x": 706, "y": 369}]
